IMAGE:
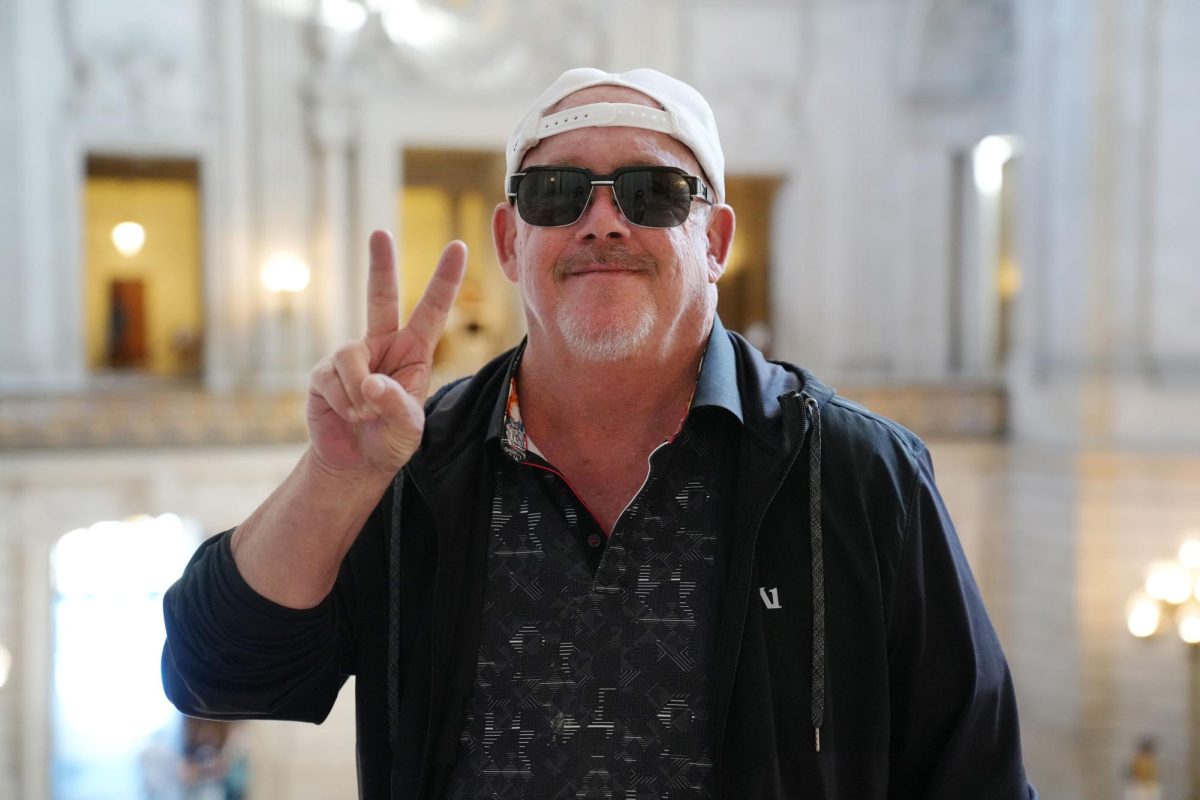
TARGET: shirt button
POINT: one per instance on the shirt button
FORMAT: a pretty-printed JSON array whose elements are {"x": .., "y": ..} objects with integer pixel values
[{"x": 593, "y": 540}]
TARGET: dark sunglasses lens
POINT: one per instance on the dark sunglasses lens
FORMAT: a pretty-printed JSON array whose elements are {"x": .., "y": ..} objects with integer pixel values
[
  {"x": 653, "y": 198},
  {"x": 552, "y": 197}
]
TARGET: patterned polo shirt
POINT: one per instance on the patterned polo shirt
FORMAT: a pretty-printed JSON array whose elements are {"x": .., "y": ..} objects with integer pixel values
[{"x": 593, "y": 669}]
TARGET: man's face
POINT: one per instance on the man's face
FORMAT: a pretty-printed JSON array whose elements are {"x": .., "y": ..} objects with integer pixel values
[{"x": 602, "y": 286}]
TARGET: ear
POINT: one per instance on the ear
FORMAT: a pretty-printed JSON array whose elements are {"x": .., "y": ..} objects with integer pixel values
[
  {"x": 721, "y": 225},
  {"x": 504, "y": 236}
]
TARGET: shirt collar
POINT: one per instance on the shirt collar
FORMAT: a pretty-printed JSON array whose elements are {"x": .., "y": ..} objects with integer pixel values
[
  {"x": 717, "y": 384},
  {"x": 716, "y": 387}
]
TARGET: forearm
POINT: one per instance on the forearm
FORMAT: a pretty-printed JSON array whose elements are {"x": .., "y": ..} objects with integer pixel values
[
  {"x": 289, "y": 550},
  {"x": 230, "y": 653}
]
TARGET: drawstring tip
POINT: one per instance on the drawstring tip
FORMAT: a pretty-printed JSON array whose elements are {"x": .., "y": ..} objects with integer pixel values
[{"x": 817, "y": 731}]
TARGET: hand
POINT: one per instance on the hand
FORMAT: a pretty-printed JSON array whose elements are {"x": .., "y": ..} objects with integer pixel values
[{"x": 366, "y": 401}]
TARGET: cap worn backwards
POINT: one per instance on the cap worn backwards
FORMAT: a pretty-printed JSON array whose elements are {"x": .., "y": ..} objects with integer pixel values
[{"x": 685, "y": 116}]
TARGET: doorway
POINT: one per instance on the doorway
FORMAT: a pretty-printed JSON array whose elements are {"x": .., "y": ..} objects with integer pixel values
[{"x": 143, "y": 293}]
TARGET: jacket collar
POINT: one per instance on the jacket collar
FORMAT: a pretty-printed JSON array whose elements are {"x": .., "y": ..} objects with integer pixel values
[{"x": 764, "y": 387}]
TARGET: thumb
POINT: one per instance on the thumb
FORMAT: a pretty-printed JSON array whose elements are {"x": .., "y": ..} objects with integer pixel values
[
  {"x": 395, "y": 435},
  {"x": 388, "y": 398}
]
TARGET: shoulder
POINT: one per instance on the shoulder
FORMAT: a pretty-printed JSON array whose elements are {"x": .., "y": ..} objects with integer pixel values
[
  {"x": 853, "y": 435},
  {"x": 849, "y": 423},
  {"x": 461, "y": 408},
  {"x": 457, "y": 395}
]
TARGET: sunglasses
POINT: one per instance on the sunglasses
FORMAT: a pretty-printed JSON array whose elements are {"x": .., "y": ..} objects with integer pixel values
[{"x": 650, "y": 197}]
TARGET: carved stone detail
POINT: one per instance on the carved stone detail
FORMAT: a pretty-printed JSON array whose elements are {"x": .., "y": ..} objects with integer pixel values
[
  {"x": 142, "y": 77},
  {"x": 960, "y": 50}
]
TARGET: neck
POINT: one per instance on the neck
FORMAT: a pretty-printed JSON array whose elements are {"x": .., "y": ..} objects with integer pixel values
[{"x": 629, "y": 405}]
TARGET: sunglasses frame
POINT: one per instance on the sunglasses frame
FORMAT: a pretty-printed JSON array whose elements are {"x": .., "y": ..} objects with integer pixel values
[{"x": 698, "y": 188}]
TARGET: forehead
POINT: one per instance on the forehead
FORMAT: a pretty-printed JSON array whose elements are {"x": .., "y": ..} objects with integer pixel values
[{"x": 602, "y": 149}]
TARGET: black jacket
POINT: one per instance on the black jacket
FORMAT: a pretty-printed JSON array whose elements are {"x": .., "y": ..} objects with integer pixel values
[{"x": 878, "y": 674}]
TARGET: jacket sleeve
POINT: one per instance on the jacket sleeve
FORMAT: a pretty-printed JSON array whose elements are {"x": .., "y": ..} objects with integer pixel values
[
  {"x": 955, "y": 732},
  {"x": 233, "y": 654}
]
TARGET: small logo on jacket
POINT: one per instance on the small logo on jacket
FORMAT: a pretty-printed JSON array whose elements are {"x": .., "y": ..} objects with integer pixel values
[{"x": 771, "y": 599}]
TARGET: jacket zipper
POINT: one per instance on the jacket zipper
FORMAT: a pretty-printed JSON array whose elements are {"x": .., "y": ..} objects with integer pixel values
[{"x": 754, "y": 548}]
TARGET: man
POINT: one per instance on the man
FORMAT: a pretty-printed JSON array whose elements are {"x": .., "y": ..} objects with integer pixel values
[{"x": 630, "y": 558}]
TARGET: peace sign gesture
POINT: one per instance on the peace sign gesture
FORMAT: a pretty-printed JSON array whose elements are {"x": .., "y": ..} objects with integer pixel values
[{"x": 366, "y": 401}]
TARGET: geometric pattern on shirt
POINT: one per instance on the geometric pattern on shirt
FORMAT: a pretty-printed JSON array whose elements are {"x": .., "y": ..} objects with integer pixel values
[{"x": 597, "y": 685}]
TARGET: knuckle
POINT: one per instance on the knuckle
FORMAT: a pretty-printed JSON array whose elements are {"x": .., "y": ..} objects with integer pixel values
[
  {"x": 345, "y": 352},
  {"x": 321, "y": 372}
]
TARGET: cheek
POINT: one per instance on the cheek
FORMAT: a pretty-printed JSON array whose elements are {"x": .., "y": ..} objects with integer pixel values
[
  {"x": 538, "y": 254},
  {"x": 689, "y": 247}
]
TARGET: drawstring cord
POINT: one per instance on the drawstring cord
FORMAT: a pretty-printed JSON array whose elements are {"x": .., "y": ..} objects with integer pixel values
[
  {"x": 818, "y": 570},
  {"x": 393, "y": 671}
]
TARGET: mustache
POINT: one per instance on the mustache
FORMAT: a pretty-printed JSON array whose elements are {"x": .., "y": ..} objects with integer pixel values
[{"x": 615, "y": 254}]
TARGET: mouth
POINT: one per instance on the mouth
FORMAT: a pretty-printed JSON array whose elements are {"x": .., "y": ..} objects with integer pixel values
[
  {"x": 616, "y": 261},
  {"x": 604, "y": 269}
]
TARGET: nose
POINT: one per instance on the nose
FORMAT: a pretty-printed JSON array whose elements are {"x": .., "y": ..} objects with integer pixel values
[{"x": 602, "y": 219}]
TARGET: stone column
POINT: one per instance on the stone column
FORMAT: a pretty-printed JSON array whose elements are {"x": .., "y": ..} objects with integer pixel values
[{"x": 331, "y": 122}]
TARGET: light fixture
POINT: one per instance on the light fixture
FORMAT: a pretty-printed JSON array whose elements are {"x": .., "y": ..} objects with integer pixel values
[
  {"x": 345, "y": 16},
  {"x": 128, "y": 237},
  {"x": 5, "y": 665},
  {"x": 414, "y": 23},
  {"x": 1143, "y": 615},
  {"x": 1189, "y": 551},
  {"x": 285, "y": 272},
  {"x": 1187, "y": 623},
  {"x": 1171, "y": 594},
  {"x": 1169, "y": 581},
  {"x": 991, "y": 154}
]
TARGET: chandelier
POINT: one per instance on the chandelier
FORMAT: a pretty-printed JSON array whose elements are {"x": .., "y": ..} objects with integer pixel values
[{"x": 422, "y": 25}]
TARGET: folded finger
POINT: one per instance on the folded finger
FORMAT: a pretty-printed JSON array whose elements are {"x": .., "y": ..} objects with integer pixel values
[
  {"x": 326, "y": 384},
  {"x": 350, "y": 362}
]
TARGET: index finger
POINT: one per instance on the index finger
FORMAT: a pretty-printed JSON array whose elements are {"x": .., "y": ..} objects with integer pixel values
[
  {"x": 429, "y": 317},
  {"x": 383, "y": 291}
]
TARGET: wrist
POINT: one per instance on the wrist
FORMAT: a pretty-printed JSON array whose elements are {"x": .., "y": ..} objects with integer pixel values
[{"x": 345, "y": 480}]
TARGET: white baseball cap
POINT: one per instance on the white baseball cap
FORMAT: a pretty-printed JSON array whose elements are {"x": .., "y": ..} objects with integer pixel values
[{"x": 686, "y": 116}]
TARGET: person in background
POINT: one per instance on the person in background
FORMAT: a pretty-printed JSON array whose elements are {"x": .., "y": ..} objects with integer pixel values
[
  {"x": 1142, "y": 780},
  {"x": 214, "y": 765},
  {"x": 630, "y": 556}
]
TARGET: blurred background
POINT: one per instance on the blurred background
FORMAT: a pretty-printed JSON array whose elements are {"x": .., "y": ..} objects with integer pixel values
[{"x": 976, "y": 216}]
